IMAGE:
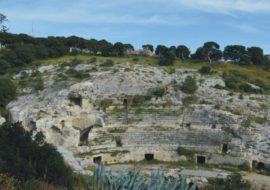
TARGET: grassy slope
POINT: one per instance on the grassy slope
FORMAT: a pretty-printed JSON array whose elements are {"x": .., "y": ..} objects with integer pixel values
[{"x": 252, "y": 72}]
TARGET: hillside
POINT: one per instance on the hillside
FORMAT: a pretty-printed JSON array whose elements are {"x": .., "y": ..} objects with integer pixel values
[{"x": 120, "y": 110}]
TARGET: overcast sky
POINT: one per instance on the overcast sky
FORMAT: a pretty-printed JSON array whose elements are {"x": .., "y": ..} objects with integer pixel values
[{"x": 169, "y": 22}]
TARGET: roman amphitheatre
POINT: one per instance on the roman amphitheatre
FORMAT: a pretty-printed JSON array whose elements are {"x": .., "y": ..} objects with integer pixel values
[{"x": 127, "y": 112}]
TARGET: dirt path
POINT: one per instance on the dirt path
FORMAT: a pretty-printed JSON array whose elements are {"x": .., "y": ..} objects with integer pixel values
[{"x": 258, "y": 181}]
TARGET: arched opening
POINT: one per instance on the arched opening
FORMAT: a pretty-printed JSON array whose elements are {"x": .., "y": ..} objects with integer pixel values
[
  {"x": 97, "y": 159},
  {"x": 76, "y": 101},
  {"x": 118, "y": 141},
  {"x": 84, "y": 135},
  {"x": 201, "y": 159},
  {"x": 125, "y": 102},
  {"x": 149, "y": 157}
]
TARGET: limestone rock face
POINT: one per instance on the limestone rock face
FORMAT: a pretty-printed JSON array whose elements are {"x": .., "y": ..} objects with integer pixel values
[
  {"x": 144, "y": 107},
  {"x": 2, "y": 120}
]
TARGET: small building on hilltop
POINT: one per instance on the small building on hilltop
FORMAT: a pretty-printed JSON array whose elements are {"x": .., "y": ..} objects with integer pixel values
[{"x": 140, "y": 52}]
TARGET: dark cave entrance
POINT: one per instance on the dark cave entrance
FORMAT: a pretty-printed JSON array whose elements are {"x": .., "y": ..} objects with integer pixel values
[
  {"x": 201, "y": 159},
  {"x": 188, "y": 124},
  {"x": 254, "y": 163},
  {"x": 97, "y": 159},
  {"x": 149, "y": 157},
  {"x": 224, "y": 148},
  {"x": 214, "y": 126},
  {"x": 76, "y": 101},
  {"x": 118, "y": 141},
  {"x": 125, "y": 102},
  {"x": 260, "y": 166},
  {"x": 84, "y": 135}
]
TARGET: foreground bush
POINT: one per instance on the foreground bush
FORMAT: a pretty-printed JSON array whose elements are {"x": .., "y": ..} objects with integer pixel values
[
  {"x": 25, "y": 158},
  {"x": 7, "y": 92}
]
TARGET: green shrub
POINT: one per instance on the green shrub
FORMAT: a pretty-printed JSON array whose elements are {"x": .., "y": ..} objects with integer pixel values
[
  {"x": 157, "y": 92},
  {"x": 7, "y": 92},
  {"x": 217, "y": 86},
  {"x": 107, "y": 63},
  {"x": 181, "y": 151},
  {"x": 26, "y": 158},
  {"x": 189, "y": 100},
  {"x": 189, "y": 86},
  {"x": 135, "y": 59},
  {"x": 205, "y": 70},
  {"x": 39, "y": 85},
  {"x": 93, "y": 60},
  {"x": 138, "y": 100},
  {"x": 77, "y": 74},
  {"x": 244, "y": 87}
]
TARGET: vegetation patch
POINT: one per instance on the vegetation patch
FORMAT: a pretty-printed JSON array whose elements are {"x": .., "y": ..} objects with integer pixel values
[
  {"x": 189, "y": 100},
  {"x": 117, "y": 152},
  {"x": 181, "y": 151},
  {"x": 118, "y": 130},
  {"x": 230, "y": 131},
  {"x": 77, "y": 74},
  {"x": 189, "y": 86},
  {"x": 157, "y": 92}
]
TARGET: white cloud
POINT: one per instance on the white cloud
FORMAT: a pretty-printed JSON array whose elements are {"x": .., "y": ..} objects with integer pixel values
[
  {"x": 227, "y": 6},
  {"x": 245, "y": 27}
]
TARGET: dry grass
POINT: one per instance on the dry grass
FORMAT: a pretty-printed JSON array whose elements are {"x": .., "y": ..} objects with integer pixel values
[{"x": 253, "y": 72}]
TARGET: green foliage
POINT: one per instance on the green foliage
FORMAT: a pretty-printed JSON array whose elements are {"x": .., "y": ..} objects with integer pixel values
[
  {"x": 167, "y": 58},
  {"x": 209, "y": 52},
  {"x": 233, "y": 182},
  {"x": 7, "y": 92},
  {"x": 182, "y": 52},
  {"x": 77, "y": 74},
  {"x": 132, "y": 180},
  {"x": 157, "y": 92},
  {"x": 138, "y": 100},
  {"x": 230, "y": 131},
  {"x": 235, "y": 80},
  {"x": 39, "y": 85},
  {"x": 205, "y": 70},
  {"x": 189, "y": 100},
  {"x": 189, "y": 85},
  {"x": 256, "y": 55},
  {"x": 181, "y": 151},
  {"x": 107, "y": 63},
  {"x": 93, "y": 60},
  {"x": 237, "y": 53},
  {"x": 25, "y": 158}
]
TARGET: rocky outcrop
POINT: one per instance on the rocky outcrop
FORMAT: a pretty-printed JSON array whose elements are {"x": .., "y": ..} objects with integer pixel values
[
  {"x": 124, "y": 96},
  {"x": 2, "y": 120}
]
